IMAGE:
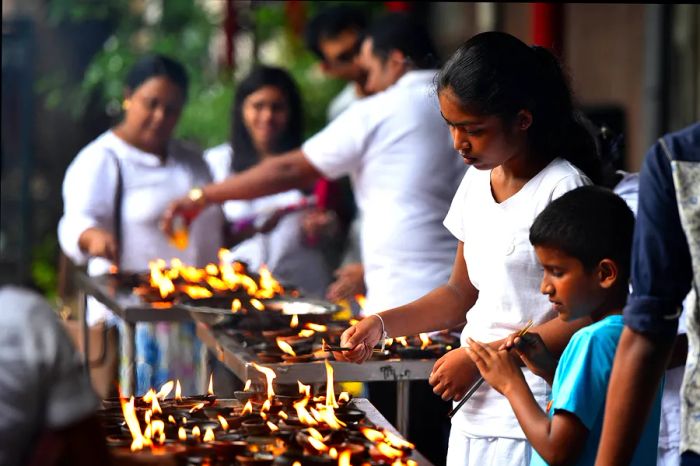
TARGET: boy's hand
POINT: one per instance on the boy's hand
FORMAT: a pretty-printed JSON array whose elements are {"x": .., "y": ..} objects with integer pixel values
[
  {"x": 453, "y": 374},
  {"x": 496, "y": 366},
  {"x": 534, "y": 354}
]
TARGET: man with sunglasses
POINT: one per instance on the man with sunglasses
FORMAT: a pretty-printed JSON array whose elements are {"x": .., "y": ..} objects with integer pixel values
[{"x": 335, "y": 35}]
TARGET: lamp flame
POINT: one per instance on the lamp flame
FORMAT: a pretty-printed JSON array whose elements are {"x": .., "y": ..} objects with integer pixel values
[
  {"x": 181, "y": 434},
  {"x": 272, "y": 426},
  {"x": 344, "y": 458},
  {"x": 269, "y": 376},
  {"x": 257, "y": 304},
  {"x": 208, "y": 435},
  {"x": 316, "y": 327},
  {"x": 286, "y": 347},
  {"x": 236, "y": 305},
  {"x": 223, "y": 422},
  {"x": 344, "y": 397},
  {"x": 361, "y": 300},
  {"x": 248, "y": 408},
  {"x": 295, "y": 321},
  {"x": 195, "y": 433},
  {"x": 197, "y": 407},
  {"x": 305, "y": 333},
  {"x": 425, "y": 341},
  {"x": 178, "y": 391},
  {"x": 247, "y": 385},
  {"x": 210, "y": 390},
  {"x": 330, "y": 393},
  {"x": 165, "y": 389}
]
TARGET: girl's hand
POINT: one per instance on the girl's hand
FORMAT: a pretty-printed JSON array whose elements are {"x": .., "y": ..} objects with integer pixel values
[
  {"x": 496, "y": 366},
  {"x": 453, "y": 374},
  {"x": 97, "y": 242},
  {"x": 361, "y": 337},
  {"x": 534, "y": 354},
  {"x": 350, "y": 281}
]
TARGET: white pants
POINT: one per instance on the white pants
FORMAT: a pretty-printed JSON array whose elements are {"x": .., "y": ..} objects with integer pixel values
[
  {"x": 668, "y": 456},
  {"x": 464, "y": 450}
]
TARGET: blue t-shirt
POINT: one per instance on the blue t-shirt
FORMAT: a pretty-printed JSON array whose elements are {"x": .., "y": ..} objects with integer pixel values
[{"x": 581, "y": 384}]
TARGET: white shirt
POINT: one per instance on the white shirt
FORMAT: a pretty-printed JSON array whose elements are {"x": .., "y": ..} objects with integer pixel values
[
  {"x": 399, "y": 155},
  {"x": 282, "y": 249},
  {"x": 149, "y": 185},
  {"x": 343, "y": 100},
  {"x": 42, "y": 382},
  {"x": 503, "y": 266}
]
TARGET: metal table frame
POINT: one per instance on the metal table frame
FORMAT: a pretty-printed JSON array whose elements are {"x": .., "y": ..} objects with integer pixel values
[
  {"x": 131, "y": 310},
  {"x": 237, "y": 359}
]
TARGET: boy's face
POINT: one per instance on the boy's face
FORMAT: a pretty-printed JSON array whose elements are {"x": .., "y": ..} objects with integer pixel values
[{"x": 573, "y": 291}]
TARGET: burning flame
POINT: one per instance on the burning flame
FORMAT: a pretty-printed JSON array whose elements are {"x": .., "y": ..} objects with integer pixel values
[
  {"x": 159, "y": 280},
  {"x": 272, "y": 427},
  {"x": 333, "y": 453},
  {"x": 165, "y": 389},
  {"x": 389, "y": 451},
  {"x": 396, "y": 441},
  {"x": 330, "y": 393},
  {"x": 181, "y": 434},
  {"x": 361, "y": 300},
  {"x": 296, "y": 463},
  {"x": 402, "y": 340},
  {"x": 216, "y": 283},
  {"x": 208, "y": 435},
  {"x": 248, "y": 408},
  {"x": 236, "y": 305},
  {"x": 295, "y": 321},
  {"x": 305, "y": 333},
  {"x": 195, "y": 433},
  {"x": 210, "y": 390},
  {"x": 344, "y": 397},
  {"x": 286, "y": 347},
  {"x": 269, "y": 287},
  {"x": 344, "y": 458},
  {"x": 283, "y": 415},
  {"x": 257, "y": 304},
  {"x": 372, "y": 435},
  {"x": 316, "y": 327},
  {"x": 197, "y": 407},
  {"x": 139, "y": 441},
  {"x": 425, "y": 341},
  {"x": 269, "y": 376},
  {"x": 196, "y": 292},
  {"x": 315, "y": 434},
  {"x": 171, "y": 419},
  {"x": 211, "y": 269},
  {"x": 317, "y": 444},
  {"x": 304, "y": 389},
  {"x": 304, "y": 416},
  {"x": 266, "y": 406},
  {"x": 158, "y": 431},
  {"x": 223, "y": 422},
  {"x": 178, "y": 391},
  {"x": 247, "y": 385}
]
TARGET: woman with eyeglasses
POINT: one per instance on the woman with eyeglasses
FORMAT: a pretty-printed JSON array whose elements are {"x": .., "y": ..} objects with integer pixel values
[{"x": 114, "y": 192}]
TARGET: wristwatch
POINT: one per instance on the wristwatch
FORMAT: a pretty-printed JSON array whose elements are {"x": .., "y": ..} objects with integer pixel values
[{"x": 196, "y": 195}]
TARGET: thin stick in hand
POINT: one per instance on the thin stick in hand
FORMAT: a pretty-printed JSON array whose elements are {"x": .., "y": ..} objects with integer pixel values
[
  {"x": 326, "y": 347},
  {"x": 480, "y": 380}
]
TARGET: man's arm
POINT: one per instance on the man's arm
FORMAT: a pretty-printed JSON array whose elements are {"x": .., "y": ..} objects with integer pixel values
[{"x": 273, "y": 175}]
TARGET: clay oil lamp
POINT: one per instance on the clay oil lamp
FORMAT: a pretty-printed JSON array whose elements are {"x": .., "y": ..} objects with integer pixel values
[
  {"x": 386, "y": 446},
  {"x": 407, "y": 351},
  {"x": 247, "y": 394}
]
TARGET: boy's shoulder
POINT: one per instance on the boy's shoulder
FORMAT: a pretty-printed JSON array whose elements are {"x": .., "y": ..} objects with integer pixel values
[{"x": 605, "y": 332}]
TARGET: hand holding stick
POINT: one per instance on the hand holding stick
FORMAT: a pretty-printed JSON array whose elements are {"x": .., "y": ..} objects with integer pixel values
[{"x": 478, "y": 383}]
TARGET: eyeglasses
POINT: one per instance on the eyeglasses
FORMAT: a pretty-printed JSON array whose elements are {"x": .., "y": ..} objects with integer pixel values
[{"x": 347, "y": 56}]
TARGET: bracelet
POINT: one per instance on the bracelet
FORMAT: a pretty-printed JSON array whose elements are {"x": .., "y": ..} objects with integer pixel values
[
  {"x": 196, "y": 195},
  {"x": 385, "y": 335}
]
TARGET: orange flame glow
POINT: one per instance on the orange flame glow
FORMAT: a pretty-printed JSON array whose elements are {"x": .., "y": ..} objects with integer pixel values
[
  {"x": 402, "y": 340},
  {"x": 317, "y": 444},
  {"x": 223, "y": 422},
  {"x": 305, "y": 333},
  {"x": 283, "y": 415},
  {"x": 181, "y": 434},
  {"x": 248, "y": 408},
  {"x": 165, "y": 389},
  {"x": 195, "y": 433},
  {"x": 210, "y": 390},
  {"x": 236, "y": 305},
  {"x": 208, "y": 435},
  {"x": 272, "y": 426},
  {"x": 257, "y": 304},
  {"x": 269, "y": 376},
  {"x": 197, "y": 407},
  {"x": 196, "y": 292},
  {"x": 266, "y": 406},
  {"x": 330, "y": 393},
  {"x": 344, "y": 397},
  {"x": 247, "y": 385},
  {"x": 389, "y": 451},
  {"x": 139, "y": 441},
  {"x": 269, "y": 287},
  {"x": 178, "y": 391},
  {"x": 425, "y": 340},
  {"x": 361, "y": 300},
  {"x": 344, "y": 458},
  {"x": 286, "y": 347},
  {"x": 295, "y": 321},
  {"x": 316, "y": 327}
]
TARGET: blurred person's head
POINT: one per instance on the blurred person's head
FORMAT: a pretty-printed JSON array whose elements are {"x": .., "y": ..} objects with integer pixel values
[
  {"x": 154, "y": 93},
  {"x": 394, "y": 45},
  {"x": 503, "y": 98},
  {"x": 334, "y": 35},
  {"x": 267, "y": 116}
]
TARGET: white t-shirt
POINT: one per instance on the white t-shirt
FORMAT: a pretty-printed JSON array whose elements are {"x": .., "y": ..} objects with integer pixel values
[
  {"x": 283, "y": 250},
  {"x": 503, "y": 266},
  {"x": 42, "y": 382},
  {"x": 399, "y": 155},
  {"x": 148, "y": 186},
  {"x": 342, "y": 101}
]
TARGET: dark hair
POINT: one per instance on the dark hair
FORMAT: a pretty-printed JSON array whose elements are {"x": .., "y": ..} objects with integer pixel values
[
  {"x": 330, "y": 22},
  {"x": 494, "y": 73},
  {"x": 152, "y": 66},
  {"x": 589, "y": 223},
  {"x": 398, "y": 31},
  {"x": 244, "y": 153}
]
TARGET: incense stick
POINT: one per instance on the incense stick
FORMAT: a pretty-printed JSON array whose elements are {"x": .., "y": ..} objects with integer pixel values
[
  {"x": 326, "y": 347},
  {"x": 478, "y": 383}
]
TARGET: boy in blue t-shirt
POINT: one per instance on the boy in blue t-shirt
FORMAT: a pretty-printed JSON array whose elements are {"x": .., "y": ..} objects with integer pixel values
[{"x": 583, "y": 241}]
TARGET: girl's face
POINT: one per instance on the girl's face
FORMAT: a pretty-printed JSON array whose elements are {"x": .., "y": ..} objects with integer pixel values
[
  {"x": 153, "y": 111},
  {"x": 265, "y": 116},
  {"x": 483, "y": 141}
]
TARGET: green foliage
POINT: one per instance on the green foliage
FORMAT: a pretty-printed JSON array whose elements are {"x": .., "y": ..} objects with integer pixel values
[{"x": 43, "y": 266}]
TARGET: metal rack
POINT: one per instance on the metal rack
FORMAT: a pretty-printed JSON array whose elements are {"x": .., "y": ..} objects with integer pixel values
[{"x": 131, "y": 309}]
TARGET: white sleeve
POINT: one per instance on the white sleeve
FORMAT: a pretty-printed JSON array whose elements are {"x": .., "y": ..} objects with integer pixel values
[
  {"x": 454, "y": 221},
  {"x": 89, "y": 190},
  {"x": 569, "y": 183},
  {"x": 338, "y": 148}
]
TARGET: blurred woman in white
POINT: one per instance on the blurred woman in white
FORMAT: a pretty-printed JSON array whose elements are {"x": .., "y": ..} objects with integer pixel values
[
  {"x": 113, "y": 194},
  {"x": 267, "y": 121}
]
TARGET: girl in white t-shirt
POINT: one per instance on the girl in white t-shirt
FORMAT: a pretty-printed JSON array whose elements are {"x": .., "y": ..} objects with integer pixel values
[
  {"x": 511, "y": 115},
  {"x": 267, "y": 121}
]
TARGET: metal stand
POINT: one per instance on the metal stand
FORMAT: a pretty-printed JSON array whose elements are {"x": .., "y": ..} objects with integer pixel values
[{"x": 403, "y": 402}]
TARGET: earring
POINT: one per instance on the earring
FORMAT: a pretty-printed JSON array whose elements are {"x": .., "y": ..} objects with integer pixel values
[{"x": 126, "y": 104}]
